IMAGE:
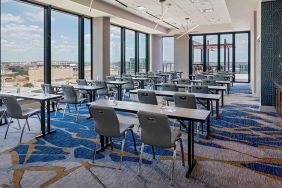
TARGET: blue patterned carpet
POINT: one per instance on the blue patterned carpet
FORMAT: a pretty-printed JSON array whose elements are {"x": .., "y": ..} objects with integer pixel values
[{"x": 254, "y": 136}]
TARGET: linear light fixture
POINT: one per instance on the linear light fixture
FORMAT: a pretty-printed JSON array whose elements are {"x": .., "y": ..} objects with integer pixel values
[
  {"x": 141, "y": 8},
  {"x": 207, "y": 10},
  {"x": 121, "y": 3}
]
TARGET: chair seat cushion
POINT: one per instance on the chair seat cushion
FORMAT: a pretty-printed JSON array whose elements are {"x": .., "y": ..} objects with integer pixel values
[
  {"x": 123, "y": 126},
  {"x": 29, "y": 112}
]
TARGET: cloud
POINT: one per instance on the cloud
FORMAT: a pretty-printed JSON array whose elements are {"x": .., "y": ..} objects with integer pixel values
[
  {"x": 21, "y": 31},
  {"x": 10, "y": 18},
  {"x": 34, "y": 17}
]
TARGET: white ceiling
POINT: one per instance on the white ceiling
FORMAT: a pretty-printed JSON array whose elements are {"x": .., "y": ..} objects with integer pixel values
[
  {"x": 178, "y": 11},
  {"x": 227, "y": 15}
]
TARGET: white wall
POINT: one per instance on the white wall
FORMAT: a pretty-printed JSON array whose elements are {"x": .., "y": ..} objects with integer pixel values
[
  {"x": 156, "y": 57},
  {"x": 181, "y": 55}
]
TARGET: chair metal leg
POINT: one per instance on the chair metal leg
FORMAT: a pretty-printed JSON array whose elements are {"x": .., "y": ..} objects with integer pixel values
[
  {"x": 134, "y": 141},
  {"x": 95, "y": 148},
  {"x": 23, "y": 131},
  {"x": 182, "y": 151},
  {"x": 140, "y": 159},
  {"x": 173, "y": 161},
  {"x": 122, "y": 148},
  {"x": 19, "y": 124},
  {"x": 38, "y": 117},
  {"x": 57, "y": 108},
  {"x": 77, "y": 111},
  {"x": 153, "y": 151},
  {"x": 28, "y": 124},
  {"x": 9, "y": 122},
  {"x": 66, "y": 105}
]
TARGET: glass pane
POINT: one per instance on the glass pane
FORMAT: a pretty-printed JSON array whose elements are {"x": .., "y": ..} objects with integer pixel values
[
  {"x": 87, "y": 49},
  {"x": 212, "y": 53},
  {"x": 64, "y": 47},
  {"x": 241, "y": 57},
  {"x": 226, "y": 52},
  {"x": 115, "y": 50},
  {"x": 22, "y": 42},
  {"x": 142, "y": 53},
  {"x": 129, "y": 52},
  {"x": 168, "y": 54},
  {"x": 197, "y": 54}
]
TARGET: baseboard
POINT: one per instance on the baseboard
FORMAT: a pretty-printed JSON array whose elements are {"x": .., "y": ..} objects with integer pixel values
[{"x": 267, "y": 108}]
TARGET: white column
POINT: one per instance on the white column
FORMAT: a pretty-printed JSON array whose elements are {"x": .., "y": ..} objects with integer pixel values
[
  {"x": 156, "y": 54},
  {"x": 101, "y": 47},
  {"x": 181, "y": 55}
]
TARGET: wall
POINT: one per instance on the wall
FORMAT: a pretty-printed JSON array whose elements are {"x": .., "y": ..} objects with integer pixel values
[
  {"x": 156, "y": 58},
  {"x": 271, "y": 49},
  {"x": 181, "y": 55}
]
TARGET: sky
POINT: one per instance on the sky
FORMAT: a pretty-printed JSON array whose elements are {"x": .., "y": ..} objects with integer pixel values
[{"x": 22, "y": 34}]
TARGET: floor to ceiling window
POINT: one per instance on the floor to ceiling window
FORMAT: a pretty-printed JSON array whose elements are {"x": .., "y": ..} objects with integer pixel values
[
  {"x": 22, "y": 45},
  {"x": 242, "y": 57},
  {"x": 64, "y": 47},
  {"x": 115, "y": 50},
  {"x": 87, "y": 49},
  {"x": 142, "y": 52},
  {"x": 226, "y": 45},
  {"x": 130, "y": 52},
  {"x": 221, "y": 51},
  {"x": 197, "y": 54},
  {"x": 211, "y": 52},
  {"x": 168, "y": 54}
]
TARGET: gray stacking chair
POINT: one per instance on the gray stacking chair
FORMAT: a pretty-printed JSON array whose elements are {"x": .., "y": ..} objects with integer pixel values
[
  {"x": 202, "y": 89},
  {"x": 101, "y": 92},
  {"x": 108, "y": 125},
  {"x": 169, "y": 87},
  {"x": 51, "y": 91},
  {"x": 184, "y": 81},
  {"x": 82, "y": 82},
  {"x": 219, "y": 77},
  {"x": 200, "y": 77},
  {"x": 129, "y": 86},
  {"x": 155, "y": 131},
  {"x": 186, "y": 101},
  {"x": 147, "y": 97},
  {"x": 111, "y": 86},
  {"x": 70, "y": 97},
  {"x": 207, "y": 82},
  {"x": 15, "y": 111}
]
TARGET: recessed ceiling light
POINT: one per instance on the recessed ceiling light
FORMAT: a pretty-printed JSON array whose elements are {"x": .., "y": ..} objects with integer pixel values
[
  {"x": 208, "y": 10},
  {"x": 141, "y": 8},
  {"x": 196, "y": 1}
]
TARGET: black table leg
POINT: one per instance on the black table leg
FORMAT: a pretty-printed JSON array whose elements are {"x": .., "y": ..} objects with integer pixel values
[
  {"x": 142, "y": 84},
  {"x": 191, "y": 160},
  {"x": 222, "y": 98},
  {"x": 217, "y": 109},
  {"x": 119, "y": 92},
  {"x": 43, "y": 124},
  {"x": 208, "y": 127}
]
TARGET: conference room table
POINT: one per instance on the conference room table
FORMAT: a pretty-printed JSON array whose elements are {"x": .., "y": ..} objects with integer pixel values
[
  {"x": 199, "y": 96},
  {"x": 217, "y": 89},
  {"x": 184, "y": 114},
  {"x": 141, "y": 81},
  {"x": 118, "y": 84},
  {"x": 44, "y": 100},
  {"x": 227, "y": 83},
  {"x": 165, "y": 76},
  {"x": 90, "y": 89}
]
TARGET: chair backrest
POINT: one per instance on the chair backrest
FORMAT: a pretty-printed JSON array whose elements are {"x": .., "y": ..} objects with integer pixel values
[
  {"x": 126, "y": 75},
  {"x": 207, "y": 82},
  {"x": 185, "y": 100},
  {"x": 155, "y": 129},
  {"x": 200, "y": 77},
  {"x": 69, "y": 94},
  {"x": 169, "y": 87},
  {"x": 130, "y": 84},
  {"x": 183, "y": 81},
  {"x": 219, "y": 77},
  {"x": 51, "y": 89},
  {"x": 14, "y": 109},
  {"x": 200, "y": 89},
  {"x": 110, "y": 78},
  {"x": 101, "y": 83},
  {"x": 81, "y": 82},
  {"x": 107, "y": 123},
  {"x": 147, "y": 97}
]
